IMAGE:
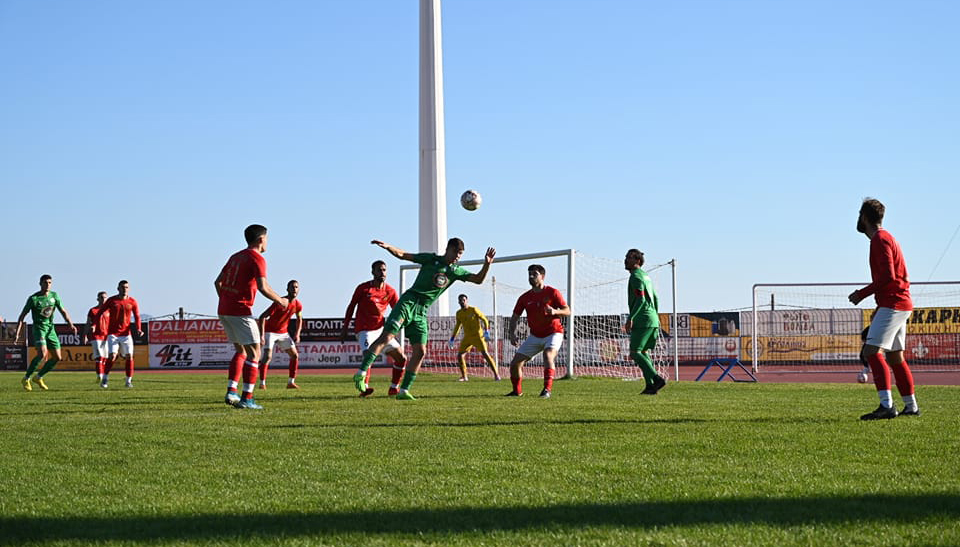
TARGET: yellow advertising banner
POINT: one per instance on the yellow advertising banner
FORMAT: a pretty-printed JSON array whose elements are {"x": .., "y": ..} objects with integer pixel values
[
  {"x": 803, "y": 348},
  {"x": 81, "y": 358},
  {"x": 928, "y": 320}
]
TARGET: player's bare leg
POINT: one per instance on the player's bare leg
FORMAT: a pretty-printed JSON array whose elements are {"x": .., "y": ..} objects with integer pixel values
[{"x": 265, "y": 365}]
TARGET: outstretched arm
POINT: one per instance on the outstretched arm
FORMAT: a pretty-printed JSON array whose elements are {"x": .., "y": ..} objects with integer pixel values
[
  {"x": 487, "y": 261},
  {"x": 395, "y": 251},
  {"x": 267, "y": 291}
]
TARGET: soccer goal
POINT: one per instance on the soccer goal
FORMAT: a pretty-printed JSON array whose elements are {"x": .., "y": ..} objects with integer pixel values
[
  {"x": 812, "y": 327},
  {"x": 594, "y": 288}
]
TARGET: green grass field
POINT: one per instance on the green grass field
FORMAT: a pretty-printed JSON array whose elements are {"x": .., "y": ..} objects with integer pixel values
[{"x": 598, "y": 464}]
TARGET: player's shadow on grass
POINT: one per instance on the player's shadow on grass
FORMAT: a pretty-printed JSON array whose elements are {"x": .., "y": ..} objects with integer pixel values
[{"x": 823, "y": 510}]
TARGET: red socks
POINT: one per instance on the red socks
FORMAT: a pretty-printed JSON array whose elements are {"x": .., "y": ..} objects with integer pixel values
[
  {"x": 128, "y": 369},
  {"x": 548, "y": 379},
  {"x": 294, "y": 364},
  {"x": 517, "y": 384},
  {"x": 904, "y": 378},
  {"x": 107, "y": 365},
  {"x": 881, "y": 373}
]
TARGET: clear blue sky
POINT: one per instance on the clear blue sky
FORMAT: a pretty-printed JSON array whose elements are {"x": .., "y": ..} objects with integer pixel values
[{"x": 138, "y": 139}]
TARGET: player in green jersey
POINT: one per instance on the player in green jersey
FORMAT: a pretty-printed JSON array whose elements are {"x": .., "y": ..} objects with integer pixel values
[
  {"x": 643, "y": 322},
  {"x": 42, "y": 305},
  {"x": 437, "y": 272}
]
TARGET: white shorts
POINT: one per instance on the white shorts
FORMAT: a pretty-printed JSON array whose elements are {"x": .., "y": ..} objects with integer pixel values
[
  {"x": 368, "y": 337},
  {"x": 534, "y": 344},
  {"x": 99, "y": 348},
  {"x": 888, "y": 330},
  {"x": 241, "y": 329},
  {"x": 122, "y": 345},
  {"x": 282, "y": 340}
]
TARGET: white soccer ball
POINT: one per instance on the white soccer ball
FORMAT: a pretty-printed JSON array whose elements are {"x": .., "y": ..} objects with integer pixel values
[
  {"x": 862, "y": 377},
  {"x": 470, "y": 200}
]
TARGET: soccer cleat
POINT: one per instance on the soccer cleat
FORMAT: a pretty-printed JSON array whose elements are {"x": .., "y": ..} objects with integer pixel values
[
  {"x": 26, "y": 384},
  {"x": 545, "y": 394},
  {"x": 405, "y": 396},
  {"x": 39, "y": 381},
  {"x": 514, "y": 394},
  {"x": 360, "y": 381},
  {"x": 658, "y": 384},
  {"x": 910, "y": 411},
  {"x": 881, "y": 414},
  {"x": 231, "y": 398},
  {"x": 129, "y": 383},
  {"x": 292, "y": 385},
  {"x": 248, "y": 404},
  {"x": 263, "y": 385},
  {"x": 393, "y": 391},
  {"x": 367, "y": 392},
  {"x": 463, "y": 379},
  {"x": 103, "y": 383}
]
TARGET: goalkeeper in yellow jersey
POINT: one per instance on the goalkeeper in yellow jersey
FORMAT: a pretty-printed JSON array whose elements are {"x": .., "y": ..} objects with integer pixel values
[{"x": 476, "y": 333}]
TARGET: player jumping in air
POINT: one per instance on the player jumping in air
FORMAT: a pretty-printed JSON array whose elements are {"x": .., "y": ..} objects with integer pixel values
[
  {"x": 274, "y": 323},
  {"x": 544, "y": 306},
  {"x": 887, "y": 336},
  {"x": 119, "y": 332},
  {"x": 370, "y": 300},
  {"x": 437, "y": 272},
  {"x": 95, "y": 331},
  {"x": 41, "y": 306},
  {"x": 244, "y": 273},
  {"x": 643, "y": 322},
  {"x": 476, "y": 333}
]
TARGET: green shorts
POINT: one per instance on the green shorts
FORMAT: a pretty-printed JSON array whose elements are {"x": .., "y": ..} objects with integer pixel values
[
  {"x": 643, "y": 339},
  {"x": 46, "y": 335},
  {"x": 410, "y": 314}
]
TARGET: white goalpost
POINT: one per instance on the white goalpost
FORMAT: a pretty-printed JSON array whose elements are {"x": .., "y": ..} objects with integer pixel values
[
  {"x": 812, "y": 327},
  {"x": 594, "y": 288}
]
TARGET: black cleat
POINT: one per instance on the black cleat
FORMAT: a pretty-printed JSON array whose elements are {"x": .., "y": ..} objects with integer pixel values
[
  {"x": 656, "y": 386},
  {"x": 545, "y": 394},
  {"x": 514, "y": 394},
  {"x": 881, "y": 414},
  {"x": 910, "y": 411}
]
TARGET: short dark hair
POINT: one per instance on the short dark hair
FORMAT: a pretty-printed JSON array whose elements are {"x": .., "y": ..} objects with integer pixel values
[
  {"x": 292, "y": 281},
  {"x": 638, "y": 254},
  {"x": 45, "y": 277},
  {"x": 537, "y": 268},
  {"x": 254, "y": 232},
  {"x": 104, "y": 293},
  {"x": 873, "y": 210},
  {"x": 459, "y": 296},
  {"x": 122, "y": 281},
  {"x": 377, "y": 263},
  {"x": 455, "y": 241}
]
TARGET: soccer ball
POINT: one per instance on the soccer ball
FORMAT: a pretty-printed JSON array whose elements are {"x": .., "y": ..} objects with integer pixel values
[
  {"x": 862, "y": 377},
  {"x": 470, "y": 200}
]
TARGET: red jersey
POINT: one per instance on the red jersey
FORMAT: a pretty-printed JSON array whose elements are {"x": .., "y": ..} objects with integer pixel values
[
  {"x": 238, "y": 282},
  {"x": 98, "y": 327},
  {"x": 119, "y": 309},
  {"x": 278, "y": 319},
  {"x": 888, "y": 273},
  {"x": 541, "y": 325},
  {"x": 371, "y": 302}
]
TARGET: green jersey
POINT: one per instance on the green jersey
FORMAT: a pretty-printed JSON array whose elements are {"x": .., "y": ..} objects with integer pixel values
[
  {"x": 42, "y": 306},
  {"x": 435, "y": 277},
  {"x": 642, "y": 300}
]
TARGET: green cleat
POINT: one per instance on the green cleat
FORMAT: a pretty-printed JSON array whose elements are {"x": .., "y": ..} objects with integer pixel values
[
  {"x": 405, "y": 396},
  {"x": 39, "y": 381},
  {"x": 360, "y": 381},
  {"x": 26, "y": 384}
]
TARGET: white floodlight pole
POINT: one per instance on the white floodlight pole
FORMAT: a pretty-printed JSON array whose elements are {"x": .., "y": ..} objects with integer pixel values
[{"x": 433, "y": 176}]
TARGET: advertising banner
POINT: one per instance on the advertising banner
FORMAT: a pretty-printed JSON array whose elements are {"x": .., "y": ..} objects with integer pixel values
[
  {"x": 804, "y": 322},
  {"x": 702, "y": 325},
  {"x": 13, "y": 356},
  {"x": 933, "y": 347},
  {"x": 804, "y": 348},
  {"x": 77, "y": 356},
  {"x": 929, "y": 320}
]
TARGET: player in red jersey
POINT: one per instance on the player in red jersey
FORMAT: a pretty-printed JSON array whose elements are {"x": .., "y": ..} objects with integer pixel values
[
  {"x": 274, "y": 324},
  {"x": 120, "y": 332},
  {"x": 544, "y": 306},
  {"x": 886, "y": 338},
  {"x": 241, "y": 277},
  {"x": 370, "y": 300},
  {"x": 96, "y": 332}
]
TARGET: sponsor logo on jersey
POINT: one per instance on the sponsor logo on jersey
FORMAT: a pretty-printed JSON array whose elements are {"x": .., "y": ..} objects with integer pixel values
[{"x": 440, "y": 280}]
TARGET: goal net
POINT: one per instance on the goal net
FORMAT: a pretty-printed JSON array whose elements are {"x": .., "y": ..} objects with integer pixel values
[
  {"x": 594, "y": 288},
  {"x": 813, "y": 327}
]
